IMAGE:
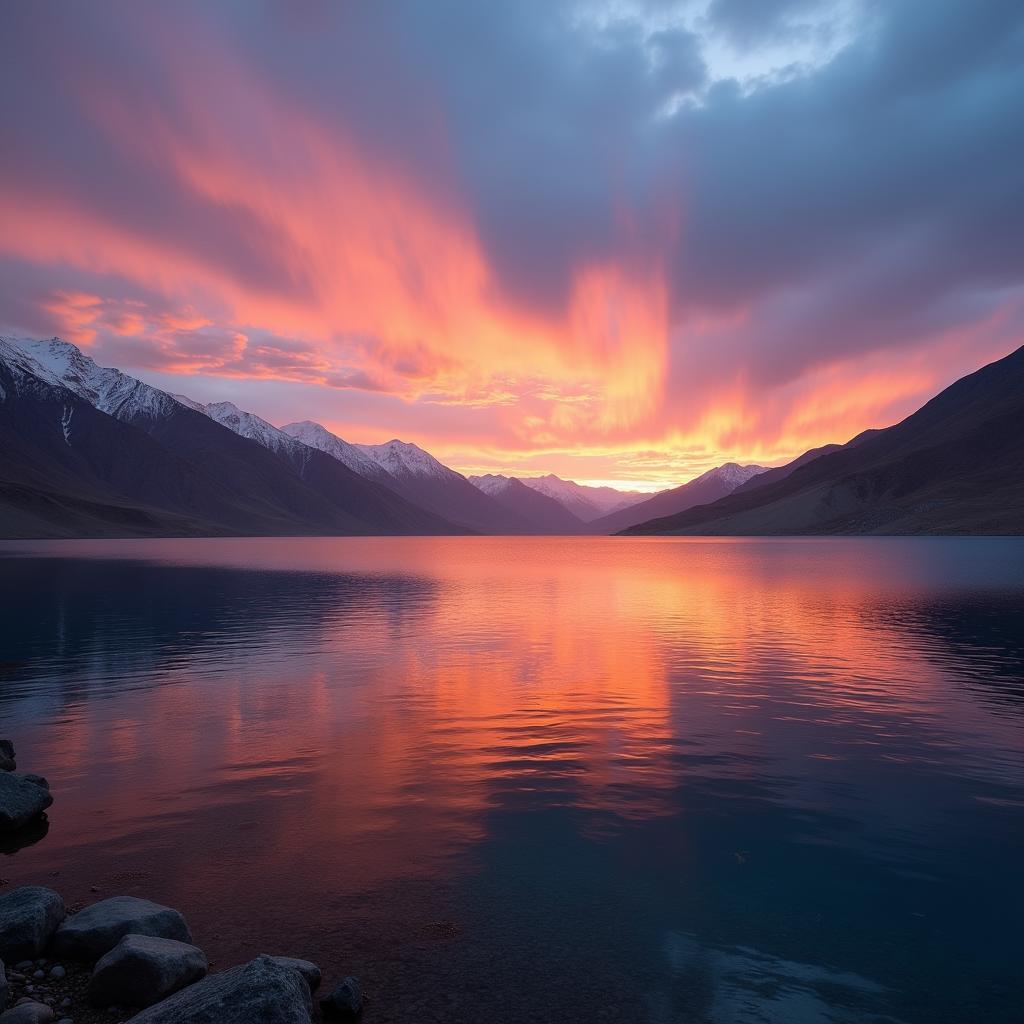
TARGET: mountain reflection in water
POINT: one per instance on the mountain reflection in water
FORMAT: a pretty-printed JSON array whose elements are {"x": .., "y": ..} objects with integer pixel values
[{"x": 545, "y": 778}]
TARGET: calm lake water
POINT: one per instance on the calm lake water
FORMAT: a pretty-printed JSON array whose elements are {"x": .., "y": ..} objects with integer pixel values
[{"x": 507, "y": 780}]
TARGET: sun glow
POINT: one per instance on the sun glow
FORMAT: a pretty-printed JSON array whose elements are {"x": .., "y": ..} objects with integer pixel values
[{"x": 316, "y": 276}]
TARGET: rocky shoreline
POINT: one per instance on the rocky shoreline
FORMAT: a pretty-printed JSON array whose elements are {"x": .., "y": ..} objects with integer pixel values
[{"x": 128, "y": 959}]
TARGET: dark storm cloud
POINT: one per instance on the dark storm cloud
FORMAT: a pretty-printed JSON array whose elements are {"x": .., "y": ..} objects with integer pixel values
[
  {"x": 890, "y": 176},
  {"x": 564, "y": 138},
  {"x": 748, "y": 23}
]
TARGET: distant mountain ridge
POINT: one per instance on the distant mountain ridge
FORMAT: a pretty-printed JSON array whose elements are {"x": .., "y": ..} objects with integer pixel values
[
  {"x": 708, "y": 487},
  {"x": 316, "y": 436},
  {"x": 419, "y": 477},
  {"x": 91, "y": 451},
  {"x": 585, "y": 502},
  {"x": 953, "y": 467},
  {"x": 543, "y": 513}
]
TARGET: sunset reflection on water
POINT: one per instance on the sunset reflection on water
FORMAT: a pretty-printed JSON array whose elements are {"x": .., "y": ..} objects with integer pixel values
[{"x": 779, "y": 745}]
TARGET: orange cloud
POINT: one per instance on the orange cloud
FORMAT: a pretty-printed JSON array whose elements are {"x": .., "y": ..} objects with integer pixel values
[
  {"x": 306, "y": 258},
  {"x": 387, "y": 281}
]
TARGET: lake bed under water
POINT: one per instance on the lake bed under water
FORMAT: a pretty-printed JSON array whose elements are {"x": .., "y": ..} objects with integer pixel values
[{"x": 545, "y": 779}]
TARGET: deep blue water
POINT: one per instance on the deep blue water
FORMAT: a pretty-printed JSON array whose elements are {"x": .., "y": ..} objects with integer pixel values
[{"x": 545, "y": 779}]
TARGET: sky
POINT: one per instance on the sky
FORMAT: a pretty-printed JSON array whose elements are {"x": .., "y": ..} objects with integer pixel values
[{"x": 622, "y": 241}]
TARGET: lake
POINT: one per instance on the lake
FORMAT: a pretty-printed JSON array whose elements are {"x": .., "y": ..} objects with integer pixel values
[{"x": 545, "y": 779}]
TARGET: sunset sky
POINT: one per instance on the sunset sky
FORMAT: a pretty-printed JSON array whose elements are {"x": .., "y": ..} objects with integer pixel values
[{"x": 621, "y": 241}]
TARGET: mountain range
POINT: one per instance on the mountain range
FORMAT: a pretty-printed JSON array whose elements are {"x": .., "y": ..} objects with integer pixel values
[
  {"x": 92, "y": 451},
  {"x": 584, "y": 502},
  {"x": 545, "y": 513},
  {"x": 421, "y": 479},
  {"x": 710, "y": 486}
]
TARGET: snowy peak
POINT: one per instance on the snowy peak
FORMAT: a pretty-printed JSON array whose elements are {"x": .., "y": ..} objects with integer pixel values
[
  {"x": 248, "y": 424},
  {"x": 587, "y": 503},
  {"x": 313, "y": 435},
  {"x": 228, "y": 414},
  {"x": 731, "y": 474},
  {"x": 539, "y": 513},
  {"x": 126, "y": 398},
  {"x": 702, "y": 490},
  {"x": 402, "y": 459},
  {"x": 14, "y": 354},
  {"x": 493, "y": 484},
  {"x": 105, "y": 388},
  {"x": 395, "y": 460}
]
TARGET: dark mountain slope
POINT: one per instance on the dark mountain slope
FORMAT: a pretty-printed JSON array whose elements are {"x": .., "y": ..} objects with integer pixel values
[
  {"x": 368, "y": 501},
  {"x": 540, "y": 512},
  {"x": 771, "y": 476},
  {"x": 312, "y": 490},
  {"x": 584, "y": 501},
  {"x": 428, "y": 483},
  {"x": 712, "y": 485},
  {"x": 955, "y": 466},
  {"x": 70, "y": 470},
  {"x": 415, "y": 474},
  {"x": 143, "y": 449}
]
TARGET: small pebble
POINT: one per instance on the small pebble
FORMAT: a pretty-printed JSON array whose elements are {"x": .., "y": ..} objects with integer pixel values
[
  {"x": 25, "y": 965},
  {"x": 39, "y": 975},
  {"x": 57, "y": 972}
]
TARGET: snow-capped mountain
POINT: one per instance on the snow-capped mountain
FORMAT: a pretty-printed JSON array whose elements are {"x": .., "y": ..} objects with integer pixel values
[
  {"x": 23, "y": 371},
  {"x": 584, "y": 502},
  {"x": 248, "y": 424},
  {"x": 104, "y": 388},
  {"x": 418, "y": 476},
  {"x": 352, "y": 455},
  {"x": 217, "y": 468},
  {"x": 731, "y": 474},
  {"x": 544, "y": 513},
  {"x": 403, "y": 459},
  {"x": 710, "y": 486},
  {"x": 70, "y": 470},
  {"x": 493, "y": 484},
  {"x": 391, "y": 461}
]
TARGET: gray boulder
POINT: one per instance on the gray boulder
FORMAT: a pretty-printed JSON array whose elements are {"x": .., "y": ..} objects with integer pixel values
[
  {"x": 28, "y": 1013},
  {"x": 261, "y": 990},
  {"x": 308, "y": 970},
  {"x": 29, "y": 916},
  {"x": 36, "y": 780},
  {"x": 345, "y": 1001},
  {"x": 92, "y": 932},
  {"x": 20, "y": 801},
  {"x": 7, "y": 759},
  {"x": 141, "y": 970},
  {"x": 5, "y": 988}
]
